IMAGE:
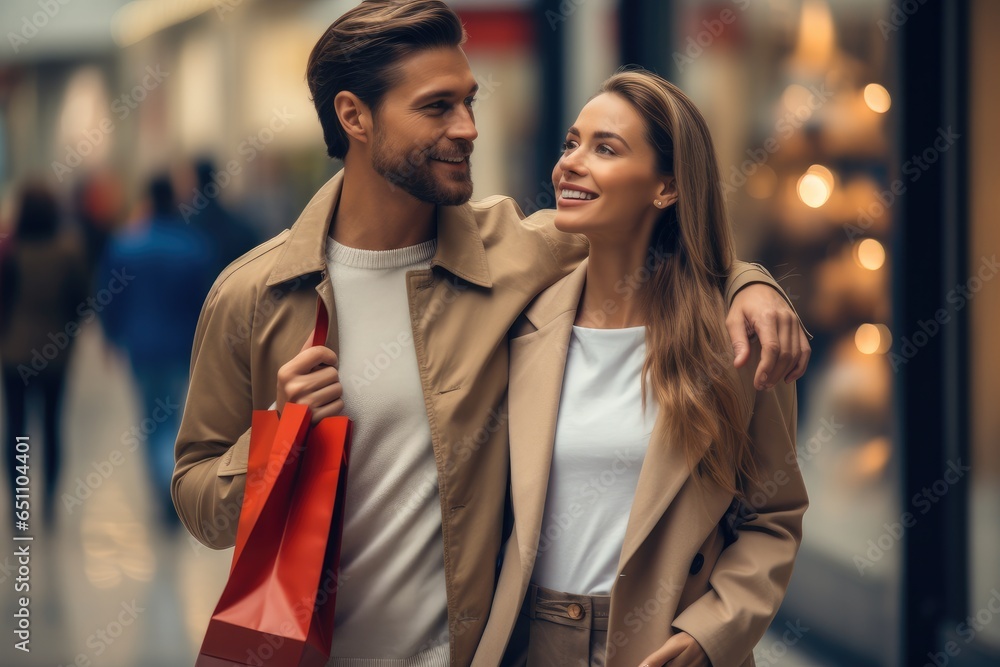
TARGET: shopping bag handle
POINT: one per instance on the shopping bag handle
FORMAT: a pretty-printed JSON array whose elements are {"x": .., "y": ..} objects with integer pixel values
[{"x": 322, "y": 323}]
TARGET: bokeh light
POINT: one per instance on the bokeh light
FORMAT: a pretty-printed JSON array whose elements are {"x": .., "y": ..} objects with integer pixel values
[
  {"x": 870, "y": 254},
  {"x": 877, "y": 98},
  {"x": 873, "y": 338}
]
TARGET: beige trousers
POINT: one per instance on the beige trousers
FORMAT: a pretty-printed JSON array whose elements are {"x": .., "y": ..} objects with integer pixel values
[{"x": 560, "y": 629}]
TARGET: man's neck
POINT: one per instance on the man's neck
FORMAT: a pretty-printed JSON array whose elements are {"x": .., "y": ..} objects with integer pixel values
[{"x": 374, "y": 215}]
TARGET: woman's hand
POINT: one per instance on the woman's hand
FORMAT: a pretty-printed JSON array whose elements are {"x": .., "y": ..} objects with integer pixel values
[{"x": 681, "y": 650}]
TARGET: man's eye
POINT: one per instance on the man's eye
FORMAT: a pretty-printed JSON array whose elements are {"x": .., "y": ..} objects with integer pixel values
[
  {"x": 437, "y": 105},
  {"x": 470, "y": 101}
]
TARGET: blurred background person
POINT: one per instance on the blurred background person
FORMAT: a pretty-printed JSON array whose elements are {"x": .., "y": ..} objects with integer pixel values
[
  {"x": 98, "y": 199},
  {"x": 43, "y": 282},
  {"x": 165, "y": 268},
  {"x": 231, "y": 236}
]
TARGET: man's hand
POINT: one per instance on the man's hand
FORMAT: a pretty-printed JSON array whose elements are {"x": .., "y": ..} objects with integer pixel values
[
  {"x": 785, "y": 350},
  {"x": 311, "y": 378},
  {"x": 681, "y": 650}
]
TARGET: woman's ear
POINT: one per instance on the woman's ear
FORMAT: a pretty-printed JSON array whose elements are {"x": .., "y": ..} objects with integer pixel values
[
  {"x": 667, "y": 194},
  {"x": 354, "y": 116}
]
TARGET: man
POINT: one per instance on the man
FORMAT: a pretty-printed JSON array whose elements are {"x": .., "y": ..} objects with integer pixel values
[{"x": 427, "y": 286}]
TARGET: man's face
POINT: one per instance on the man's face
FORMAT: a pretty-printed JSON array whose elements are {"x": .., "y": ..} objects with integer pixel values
[{"x": 424, "y": 129}]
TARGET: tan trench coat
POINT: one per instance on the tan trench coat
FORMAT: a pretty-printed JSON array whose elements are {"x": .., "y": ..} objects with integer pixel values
[
  {"x": 673, "y": 573},
  {"x": 489, "y": 264}
]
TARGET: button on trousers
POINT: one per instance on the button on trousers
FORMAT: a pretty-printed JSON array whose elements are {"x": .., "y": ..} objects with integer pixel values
[{"x": 556, "y": 629}]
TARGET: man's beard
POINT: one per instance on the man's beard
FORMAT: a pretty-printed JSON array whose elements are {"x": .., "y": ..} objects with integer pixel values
[{"x": 413, "y": 172}]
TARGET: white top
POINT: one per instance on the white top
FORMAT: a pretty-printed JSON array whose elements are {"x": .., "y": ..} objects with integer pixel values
[
  {"x": 600, "y": 443},
  {"x": 391, "y": 603}
]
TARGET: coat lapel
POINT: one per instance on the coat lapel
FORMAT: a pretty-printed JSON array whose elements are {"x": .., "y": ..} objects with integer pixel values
[
  {"x": 665, "y": 470},
  {"x": 537, "y": 365}
]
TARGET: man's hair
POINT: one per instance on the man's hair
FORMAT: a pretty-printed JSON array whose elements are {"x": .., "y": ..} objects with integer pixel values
[{"x": 361, "y": 51}]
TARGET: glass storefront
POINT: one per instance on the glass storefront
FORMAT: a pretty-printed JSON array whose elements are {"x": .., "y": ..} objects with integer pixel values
[
  {"x": 983, "y": 607},
  {"x": 800, "y": 98}
]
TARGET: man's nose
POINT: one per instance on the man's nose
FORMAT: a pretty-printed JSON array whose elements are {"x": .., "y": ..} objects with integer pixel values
[{"x": 463, "y": 125}]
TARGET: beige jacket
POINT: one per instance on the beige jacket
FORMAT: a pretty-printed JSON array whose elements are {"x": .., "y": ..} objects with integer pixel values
[
  {"x": 489, "y": 264},
  {"x": 673, "y": 573}
]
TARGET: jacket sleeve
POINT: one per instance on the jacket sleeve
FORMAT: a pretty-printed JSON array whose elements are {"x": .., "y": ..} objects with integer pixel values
[
  {"x": 214, "y": 437},
  {"x": 751, "y": 576},
  {"x": 743, "y": 274}
]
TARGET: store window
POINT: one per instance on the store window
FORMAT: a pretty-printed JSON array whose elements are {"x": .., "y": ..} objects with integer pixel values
[
  {"x": 799, "y": 97},
  {"x": 983, "y": 620}
]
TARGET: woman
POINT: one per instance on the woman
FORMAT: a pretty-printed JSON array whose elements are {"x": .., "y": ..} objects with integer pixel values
[{"x": 657, "y": 502}]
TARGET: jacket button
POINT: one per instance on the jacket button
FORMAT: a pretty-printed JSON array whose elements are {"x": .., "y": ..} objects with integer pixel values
[
  {"x": 697, "y": 564},
  {"x": 575, "y": 611}
]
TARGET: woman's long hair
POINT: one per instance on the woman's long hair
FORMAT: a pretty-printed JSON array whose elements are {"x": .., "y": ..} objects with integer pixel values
[{"x": 688, "y": 350}]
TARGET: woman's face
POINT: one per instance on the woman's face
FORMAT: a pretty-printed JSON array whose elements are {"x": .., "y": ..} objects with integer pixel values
[{"x": 606, "y": 181}]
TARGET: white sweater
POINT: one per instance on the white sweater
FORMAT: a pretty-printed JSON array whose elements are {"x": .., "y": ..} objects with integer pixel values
[{"x": 391, "y": 603}]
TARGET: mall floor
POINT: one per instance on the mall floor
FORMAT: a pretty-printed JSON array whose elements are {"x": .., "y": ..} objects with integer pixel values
[{"x": 110, "y": 587}]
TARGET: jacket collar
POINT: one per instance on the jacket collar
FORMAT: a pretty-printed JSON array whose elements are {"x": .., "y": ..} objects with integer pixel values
[
  {"x": 460, "y": 247},
  {"x": 562, "y": 297}
]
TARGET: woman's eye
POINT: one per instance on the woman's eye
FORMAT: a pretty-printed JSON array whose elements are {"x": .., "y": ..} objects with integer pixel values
[
  {"x": 604, "y": 149},
  {"x": 470, "y": 101},
  {"x": 436, "y": 105},
  {"x": 568, "y": 145}
]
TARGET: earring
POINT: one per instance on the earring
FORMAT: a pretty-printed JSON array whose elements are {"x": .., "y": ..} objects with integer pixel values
[{"x": 658, "y": 203}]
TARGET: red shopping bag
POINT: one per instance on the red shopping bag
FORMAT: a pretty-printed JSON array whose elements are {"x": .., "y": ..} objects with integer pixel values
[{"x": 277, "y": 607}]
